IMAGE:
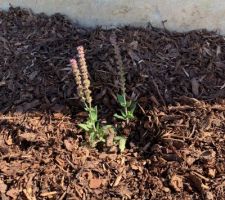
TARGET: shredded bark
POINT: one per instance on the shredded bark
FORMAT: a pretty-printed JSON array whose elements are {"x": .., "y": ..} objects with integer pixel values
[{"x": 175, "y": 147}]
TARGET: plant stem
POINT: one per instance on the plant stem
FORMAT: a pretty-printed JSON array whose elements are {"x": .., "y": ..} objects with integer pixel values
[
  {"x": 93, "y": 123},
  {"x": 125, "y": 108}
]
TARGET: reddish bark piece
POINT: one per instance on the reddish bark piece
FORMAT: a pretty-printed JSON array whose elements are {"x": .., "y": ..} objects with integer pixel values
[
  {"x": 96, "y": 183},
  {"x": 177, "y": 183}
]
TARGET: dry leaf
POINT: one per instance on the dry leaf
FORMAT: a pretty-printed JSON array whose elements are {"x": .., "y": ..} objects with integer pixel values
[
  {"x": 212, "y": 172},
  {"x": 31, "y": 137},
  {"x": 125, "y": 192},
  {"x": 69, "y": 145},
  {"x": 117, "y": 181},
  {"x": 195, "y": 86},
  {"x": 13, "y": 192},
  {"x": 3, "y": 187},
  {"x": 177, "y": 183},
  {"x": 190, "y": 160},
  {"x": 9, "y": 140},
  {"x": 96, "y": 183}
]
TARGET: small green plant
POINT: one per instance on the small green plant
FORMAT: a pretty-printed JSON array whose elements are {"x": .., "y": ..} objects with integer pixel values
[
  {"x": 91, "y": 126},
  {"x": 128, "y": 107},
  {"x": 121, "y": 140},
  {"x": 98, "y": 133}
]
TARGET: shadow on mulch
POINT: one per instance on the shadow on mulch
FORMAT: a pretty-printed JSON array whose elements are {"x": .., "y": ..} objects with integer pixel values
[{"x": 176, "y": 144}]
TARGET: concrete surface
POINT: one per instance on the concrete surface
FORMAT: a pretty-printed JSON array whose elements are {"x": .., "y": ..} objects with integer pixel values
[{"x": 180, "y": 15}]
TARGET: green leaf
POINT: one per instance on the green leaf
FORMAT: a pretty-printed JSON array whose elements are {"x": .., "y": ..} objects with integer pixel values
[
  {"x": 122, "y": 142},
  {"x": 132, "y": 107},
  {"x": 124, "y": 114},
  {"x": 89, "y": 124},
  {"x": 84, "y": 126},
  {"x": 129, "y": 103},
  {"x": 97, "y": 126},
  {"x": 92, "y": 138},
  {"x": 130, "y": 115},
  {"x": 119, "y": 116},
  {"x": 93, "y": 113},
  {"x": 122, "y": 100}
]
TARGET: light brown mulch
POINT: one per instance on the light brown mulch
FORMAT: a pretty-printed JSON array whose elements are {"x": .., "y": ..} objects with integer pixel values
[{"x": 175, "y": 148}]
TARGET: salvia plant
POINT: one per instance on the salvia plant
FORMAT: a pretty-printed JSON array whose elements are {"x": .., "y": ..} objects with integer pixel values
[
  {"x": 98, "y": 133},
  {"x": 127, "y": 106},
  {"x": 91, "y": 126}
]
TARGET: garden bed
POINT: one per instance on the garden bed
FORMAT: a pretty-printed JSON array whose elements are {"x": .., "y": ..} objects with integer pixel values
[{"x": 175, "y": 146}]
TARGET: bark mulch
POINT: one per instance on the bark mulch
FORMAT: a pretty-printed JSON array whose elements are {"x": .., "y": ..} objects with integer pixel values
[{"x": 175, "y": 147}]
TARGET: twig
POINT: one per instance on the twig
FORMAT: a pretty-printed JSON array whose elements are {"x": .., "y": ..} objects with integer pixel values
[
  {"x": 200, "y": 176},
  {"x": 157, "y": 89},
  {"x": 193, "y": 131},
  {"x": 71, "y": 164},
  {"x": 28, "y": 196},
  {"x": 8, "y": 117},
  {"x": 63, "y": 195},
  {"x": 45, "y": 194},
  {"x": 173, "y": 139}
]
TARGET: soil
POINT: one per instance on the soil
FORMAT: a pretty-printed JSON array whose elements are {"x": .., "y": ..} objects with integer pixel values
[{"x": 175, "y": 147}]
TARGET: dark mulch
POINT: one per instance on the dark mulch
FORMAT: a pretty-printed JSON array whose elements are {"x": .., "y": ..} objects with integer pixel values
[{"x": 175, "y": 148}]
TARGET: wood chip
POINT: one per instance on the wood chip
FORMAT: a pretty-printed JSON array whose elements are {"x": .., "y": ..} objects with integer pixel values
[
  {"x": 195, "y": 86},
  {"x": 117, "y": 181},
  {"x": 96, "y": 183},
  {"x": 49, "y": 194},
  {"x": 176, "y": 183}
]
